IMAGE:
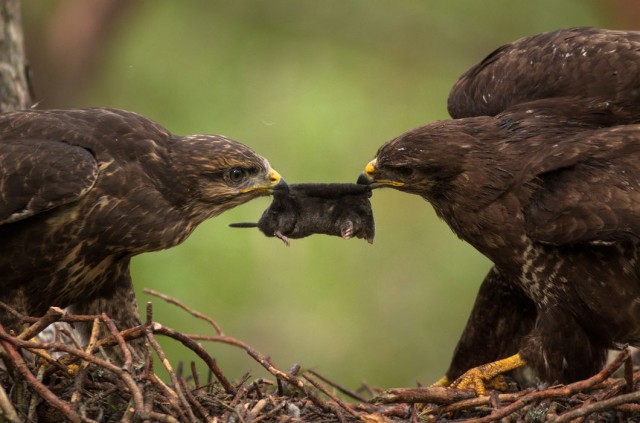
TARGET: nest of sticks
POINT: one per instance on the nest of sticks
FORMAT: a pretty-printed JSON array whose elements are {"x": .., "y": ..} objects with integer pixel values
[{"x": 82, "y": 384}]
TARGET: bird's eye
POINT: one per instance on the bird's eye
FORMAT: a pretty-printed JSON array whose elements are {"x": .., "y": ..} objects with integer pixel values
[
  {"x": 404, "y": 171},
  {"x": 236, "y": 175}
]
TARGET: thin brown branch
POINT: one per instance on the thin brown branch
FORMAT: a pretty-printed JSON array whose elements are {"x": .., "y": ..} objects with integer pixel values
[
  {"x": 330, "y": 395},
  {"x": 79, "y": 381},
  {"x": 52, "y": 315},
  {"x": 193, "y": 401},
  {"x": 337, "y": 386},
  {"x": 220, "y": 338},
  {"x": 174, "y": 379},
  {"x": 189, "y": 310},
  {"x": 196, "y": 348},
  {"x": 432, "y": 394},
  {"x": 8, "y": 411},
  {"x": 37, "y": 386},
  {"x": 598, "y": 406},
  {"x": 292, "y": 380},
  {"x": 557, "y": 392},
  {"x": 99, "y": 382},
  {"x": 121, "y": 342}
]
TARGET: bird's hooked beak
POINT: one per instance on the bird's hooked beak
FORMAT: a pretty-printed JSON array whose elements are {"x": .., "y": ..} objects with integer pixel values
[
  {"x": 369, "y": 177},
  {"x": 274, "y": 181}
]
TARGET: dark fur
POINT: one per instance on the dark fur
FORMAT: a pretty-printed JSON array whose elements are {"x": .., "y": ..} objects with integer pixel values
[{"x": 300, "y": 210}]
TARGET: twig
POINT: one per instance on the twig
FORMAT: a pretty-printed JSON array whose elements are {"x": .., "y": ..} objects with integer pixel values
[
  {"x": 189, "y": 310},
  {"x": 172, "y": 375},
  {"x": 220, "y": 338},
  {"x": 628, "y": 374},
  {"x": 557, "y": 392},
  {"x": 195, "y": 375},
  {"x": 598, "y": 406},
  {"x": 192, "y": 400},
  {"x": 297, "y": 383},
  {"x": 330, "y": 395},
  {"x": 7, "y": 339},
  {"x": 35, "y": 399},
  {"x": 431, "y": 394},
  {"x": 340, "y": 388},
  {"x": 95, "y": 330},
  {"x": 8, "y": 412},
  {"x": 480, "y": 401},
  {"x": 52, "y": 315},
  {"x": 37, "y": 386},
  {"x": 196, "y": 348},
  {"x": 123, "y": 345},
  {"x": 170, "y": 395}
]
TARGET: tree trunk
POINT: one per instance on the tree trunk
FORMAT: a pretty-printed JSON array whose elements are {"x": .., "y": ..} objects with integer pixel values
[{"x": 14, "y": 82}]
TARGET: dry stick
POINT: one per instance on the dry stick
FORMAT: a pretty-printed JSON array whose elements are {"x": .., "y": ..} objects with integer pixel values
[
  {"x": 196, "y": 348},
  {"x": 159, "y": 417},
  {"x": 297, "y": 383},
  {"x": 37, "y": 386},
  {"x": 338, "y": 387},
  {"x": 5, "y": 338},
  {"x": 254, "y": 387},
  {"x": 598, "y": 406},
  {"x": 193, "y": 312},
  {"x": 70, "y": 335},
  {"x": 614, "y": 385},
  {"x": 628, "y": 374},
  {"x": 174, "y": 379},
  {"x": 75, "y": 397},
  {"x": 195, "y": 375},
  {"x": 139, "y": 332},
  {"x": 123, "y": 345},
  {"x": 255, "y": 411},
  {"x": 629, "y": 408},
  {"x": 170, "y": 396},
  {"x": 432, "y": 394},
  {"x": 231, "y": 407},
  {"x": 401, "y": 411},
  {"x": 13, "y": 311},
  {"x": 51, "y": 316},
  {"x": 557, "y": 392},
  {"x": 178, "y": 394},
  {"x": 330, "y": 395},
  {"x": 220, "y": 338},
  {"x": 475, "y": 402},
  {"x": 193, "y": 400},
  {"x": 35, "y": 400},
  {"x": 8, "y": 412}
]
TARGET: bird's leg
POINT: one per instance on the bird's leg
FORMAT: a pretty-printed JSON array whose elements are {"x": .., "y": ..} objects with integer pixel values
[
  {"x": 120, "y": 305},
  {"x": 475, "y": 378},
  {"x": 502, "y": 315},
  {"x": 560, "y": 349}
]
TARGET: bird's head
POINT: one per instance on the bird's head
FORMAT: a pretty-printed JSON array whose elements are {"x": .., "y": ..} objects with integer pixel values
[
  {"x": 222, "y": 173},
  {"x": 423, "y": 161}
]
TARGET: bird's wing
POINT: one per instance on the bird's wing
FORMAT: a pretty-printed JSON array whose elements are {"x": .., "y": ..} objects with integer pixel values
[
  {"x": 38, "y": 175},
  {"x": 594, "y": 197},
  {"x": 576, "y": 62}
]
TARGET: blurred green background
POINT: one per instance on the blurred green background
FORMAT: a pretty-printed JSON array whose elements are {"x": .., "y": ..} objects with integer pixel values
[{"x": 316, "y": 87}]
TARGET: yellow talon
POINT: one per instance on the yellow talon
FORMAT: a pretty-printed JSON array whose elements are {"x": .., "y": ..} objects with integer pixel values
[
  {"x": 443, "y": 381},
  {"x": 475, "y": 378}
]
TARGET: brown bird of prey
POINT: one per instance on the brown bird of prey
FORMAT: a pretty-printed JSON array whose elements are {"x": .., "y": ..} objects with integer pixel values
[
  {"x": 541, "y": 174},
  {"x": 83, "y": 191}
]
